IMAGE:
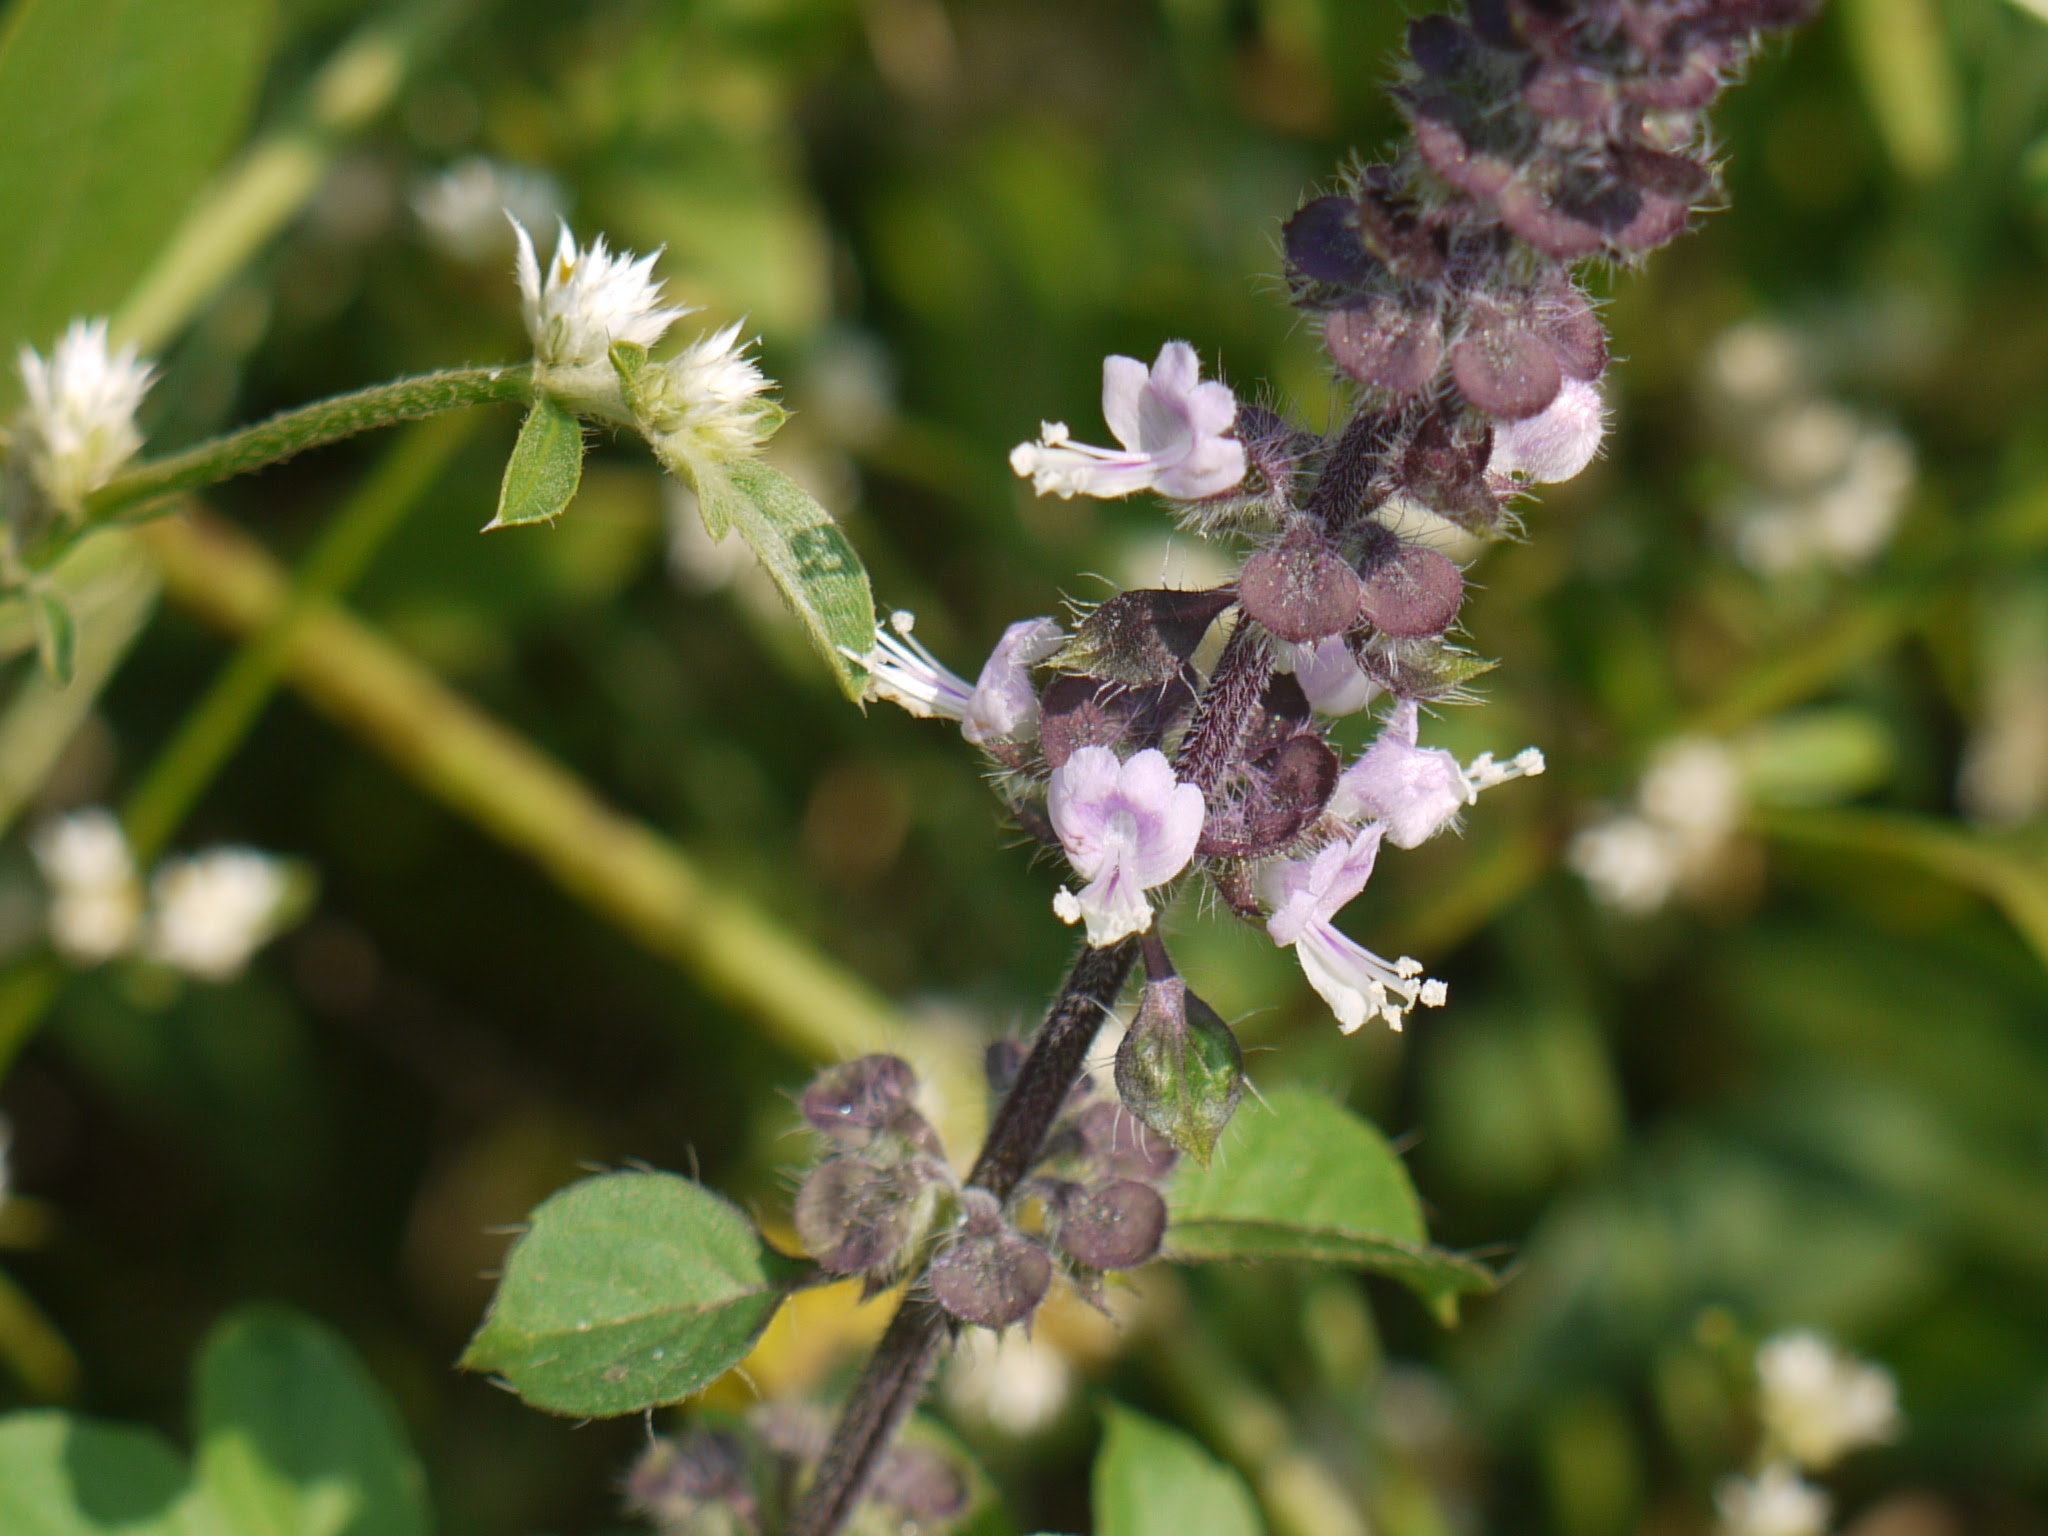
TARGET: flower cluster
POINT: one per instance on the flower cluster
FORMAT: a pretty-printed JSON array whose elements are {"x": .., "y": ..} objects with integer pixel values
[
  {"x": 206, "y": 913},
  {"x": 78, "y": 426},
  {"x": 884, "y": 1200}
]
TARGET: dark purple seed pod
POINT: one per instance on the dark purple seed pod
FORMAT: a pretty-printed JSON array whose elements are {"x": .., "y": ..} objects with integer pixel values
[
  {"x": 1442, "y": 45},
  {"x": 1530, "y": 212},
  {"x": 1111, "y": 1226},
  {"x": 1077, "y": 712},
  {"x": 992, "y": 1275},
  {"x": 1418, "y": 592},
  {"x": 677, "y": 1477},
  {"x": 851, "y": 1102},
  {"x": 1323, "y": 244},
  {"x": 1142, "y": 638},
  {"x": 1383, "y": 344},
  {"x": 1397, "y": 239},
  {"x": 1115, "y": 1143},
  {"x": 1677, "y": 177},
  {"x": 1658, "y": 221},
  {"x": 922, "y": 1485},
  {"x": 1290, "y": 785},
  {"x": 1301, "y": 589},
  {"x": 857, "y": 1217},
  {"x": 1505, "y": 369},
  {"x": 1494, "y": 20},
  {"x": 1284, "y": 713},
  {"x": 1444, "y": 150},
  {"x": 1565, "y": 318},
  {"x": 1569, "y": 93}
]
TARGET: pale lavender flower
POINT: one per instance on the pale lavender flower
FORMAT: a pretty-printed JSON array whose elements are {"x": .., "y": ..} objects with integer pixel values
[
  {"x": 1172, "y": 427},
  {"x": 79, "y": 425},
  {"x": 1307, "y": 895},
  {"x": 1417, "y": 791},
  {"x": 1557, "y": 442},
  {"x": 1777, "y": 1502},
  {"x": 1330, "y": 675},
  {"x": 1001, "y": 704},
  {"x": 1126, "y": 827},
  {"x": 584, "y": 302}
]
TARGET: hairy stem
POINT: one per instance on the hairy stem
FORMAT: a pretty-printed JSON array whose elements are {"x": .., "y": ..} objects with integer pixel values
[
  {"x": 1227, "y": 707},
  {"x": 895, "y": 1377},
  {"x": 292, "y": 432}
]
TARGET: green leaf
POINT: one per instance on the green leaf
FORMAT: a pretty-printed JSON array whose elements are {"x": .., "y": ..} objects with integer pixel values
[
  {"x": 296, "y": 1439},
  {"x": 810, "y": 559},
  {"x": 1304, "y": 1178},
  {"x": 61, "y": 1475},
  {"x": 56, "y": 637},
  {"x": 112, "y": 113},
  {"x": 1151, "y": 1480},
  {"x": 627, "y": 1292},
  {"x": 545, "y": 468}
]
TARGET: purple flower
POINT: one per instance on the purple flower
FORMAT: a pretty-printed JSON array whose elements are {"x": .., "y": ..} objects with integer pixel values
[
  {"x": 1330, "y": 675},
  {"x": 1001, "y": 706},
  {"x": 1170, "y": 423},
  {"x": 1357, "y": 984},
  {"x": 1127, "y": 827},
  {"x": 1557, "y": 442},
  {"x": 1415, "y": 792}
]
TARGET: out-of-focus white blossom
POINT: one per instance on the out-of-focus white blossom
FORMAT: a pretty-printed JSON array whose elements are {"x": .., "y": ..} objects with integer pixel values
[
  {"x": 1776, "y": 1502},
  {"x": 1818, "y": 1403},
  {"x": 1687, "y": 804},
  {"x": 1172, "y": 426},
  {"x": 462, "y": 210},
  {"x": 211, "y": 911},
  {"x": 1630, "y": 864},
  {"x": 95, "y": 898},
  {"x": 575, "y": 311},
  {"x": 1018, "y": 1384},
  {"x": 78, "y": 427}
]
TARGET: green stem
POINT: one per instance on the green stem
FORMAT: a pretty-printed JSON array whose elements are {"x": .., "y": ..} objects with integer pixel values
[
  {"x": 217, "y": 725},
  {"x": 292, "y": 432}
]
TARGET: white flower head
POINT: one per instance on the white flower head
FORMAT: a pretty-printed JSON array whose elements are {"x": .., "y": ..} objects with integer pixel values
[
  {"x": 1000, "y": 705},
  {"x": 1172, "y": 427},
  {"x": 1630, "y": 864},
  {"x": 1126, "y": 827},
  {"x": 1557, "y": 442},
  {"x": 95, "y": 899},
  {"x": 462, "y": 210},
  {"x": 1818, "y": 1403},
  {"x": 1776, "y": 1502},
  {"x": 1307, "y": 895},
  {"x": 585, "y": 302},
  {"x": 1417, "y": 791},
  {"x": 79, "y": 425},
  {"x": 215, "y": 909},
  {"x": 708, "y": 401}
]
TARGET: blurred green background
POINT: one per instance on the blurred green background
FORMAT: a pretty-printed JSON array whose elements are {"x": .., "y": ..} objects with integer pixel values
[{"x": 1811, "y": 1087}]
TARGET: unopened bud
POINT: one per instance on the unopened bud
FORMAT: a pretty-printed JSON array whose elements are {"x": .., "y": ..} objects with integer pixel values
[
  {"x": 922, "y": 1485},
  {"x": 1323, "y": 245},
  {"x": 696, "y": 1482},
  {"x": 1416, "y": 592},
  {"x": 1382, "y": 343},
  {"x": 1179, "y": 1068},
  {"x": 992, "y": 1275},
  {"x": 1116, "y": 1144},
  {"x": 1300, "y": 590},
  {"x": 1117, "y": 1225},
  {"x": 857, "y": 1217},
  {"x": 851, "y": 1102},
  {"x": 1505, "y": 369}
]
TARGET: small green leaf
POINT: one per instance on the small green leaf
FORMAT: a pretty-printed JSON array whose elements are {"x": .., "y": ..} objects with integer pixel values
[
  {"x": 545, "y": 468},
  {"x": 61, "y": 1475},
  {"x": 629, "y": 1291},
  {"x": 1151, "y": 1480},
  {"x": 112, "y": 114},
  {"x": 810, "y": 559},
  {"x": 294, "y": 1436},
  {"x": 56, "y": 637},
  {"x": 1304, "y": 1178}
]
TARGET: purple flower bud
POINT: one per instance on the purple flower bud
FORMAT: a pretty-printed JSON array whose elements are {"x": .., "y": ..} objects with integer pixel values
[
  {"x": 1566, "y": 320},
  {"x": 1569, "y": 92},
  {"x": 1301, "y": 589},
  {"x": 857, "y": 1217},
  {"x": 1678, "y": 177},
  {"x": 1380, "y": 343},
  {"x": 1691, "y": 86},
  {"x": 1533, "y": 213},
  {"x": 992, "y": 1275},
  {"x": 678, "y": 1479},
  {"x": 1441, "y": 45},
  {"x": 1444, "y": 150},
  {"x": 1658, "y": 221},
  {"x": 1114, "y": 1142},
  {"x": 1179, "y": 1068},
  {"x": 1417, "y": 592},
  {"x": 1494, "y": 20},
  {"x": 922, "y": 1485},
  {"x": 1077, "y": 712},
  {"x": 851, "y": 1102},
  {"x": 1143, "y": 638},
  {"x": 1111, "y": 1226},
  {"x": 1323, "y": 244},
  {"x": 1505, "y": 369},
  {"x": 1397, "y": 239}
]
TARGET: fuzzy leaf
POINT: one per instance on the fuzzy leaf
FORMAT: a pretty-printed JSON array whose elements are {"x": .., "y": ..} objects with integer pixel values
[
  {"x": 1151, "y": 1480},
  {"x": 1304, "y": 1178},
  {"x": 545, "y": 468},
  {"x": 112, "y": 113},
  {"x": 629, "y": 1291},
  {"x": 56, "y": 638}
]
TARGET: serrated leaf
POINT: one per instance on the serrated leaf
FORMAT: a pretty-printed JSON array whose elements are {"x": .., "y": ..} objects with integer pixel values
[
  {"x": 1301, "y": 1177},
  {"x": 629, "y": 1291},
  {"x": 62, "y": 1475},
  {"x": 112, "y": 114},
  {"x": 545, "y": 469},
  {"x": 294, "y": 1436},
  {"x": 805, "y": 552},
  {"x": 1151, "y": 1480},
  {"x": 56, "y": 637}
]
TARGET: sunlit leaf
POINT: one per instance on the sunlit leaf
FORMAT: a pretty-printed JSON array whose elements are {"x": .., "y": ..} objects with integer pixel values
[
  {"x": 545, "y": 469},
  {"x": 1154, "y": 1481}
]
